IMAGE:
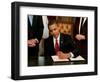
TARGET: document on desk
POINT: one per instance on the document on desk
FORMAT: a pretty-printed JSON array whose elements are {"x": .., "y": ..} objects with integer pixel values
[
  {"x": 78, "y": 58},
  {"x": 57, "y": 59}
]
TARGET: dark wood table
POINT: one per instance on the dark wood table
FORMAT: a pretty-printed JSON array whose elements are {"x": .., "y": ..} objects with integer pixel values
[{"x": 47, "y": 61}]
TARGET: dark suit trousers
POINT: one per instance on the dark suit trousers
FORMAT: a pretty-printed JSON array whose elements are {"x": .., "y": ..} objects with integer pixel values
[
  {"x": 83, "y": 48},
  {"x": 33, "y": 51}
]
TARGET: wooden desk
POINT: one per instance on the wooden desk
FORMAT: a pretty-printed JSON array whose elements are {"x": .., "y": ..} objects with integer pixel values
[{"x": 47, "y": 61}]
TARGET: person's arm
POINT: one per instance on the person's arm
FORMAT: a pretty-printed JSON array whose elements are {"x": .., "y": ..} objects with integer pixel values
[
  {"x": 74, "y": 50},
  {"x": 32, "y": 42},
  {"x": 62, "y": 55},
  {"x": 80, "y": 37},
  {"x": 46, "y": 48},
  {"x": 76, "y": 27},
  {"x": 40, "y": 27},
  {"x": 71, "y": 49},
  {"x": 35, "y": 31},
  {"x": 83, "y": 34}
]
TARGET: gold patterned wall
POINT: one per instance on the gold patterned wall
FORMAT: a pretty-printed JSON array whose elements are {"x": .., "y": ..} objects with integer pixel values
[{"x": 66, "y": 24}]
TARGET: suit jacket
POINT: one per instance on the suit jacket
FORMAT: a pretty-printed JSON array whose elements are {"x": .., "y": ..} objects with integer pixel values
[
  {"x": 82, "y": 44},
  {"x": 83, "y": 29},
  {"x": 66, "y": 45},
  {"x": 36, "y": 29}
]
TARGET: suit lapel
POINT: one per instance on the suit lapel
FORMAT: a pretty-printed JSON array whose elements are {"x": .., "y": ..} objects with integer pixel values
[
  {"x": 77, "y": 26},
  {"x": 61, "y": 41},
  {"x": 34, "y": 20},
  {"x": 29, "y": 25},
  {"x": 52, "y": 43}
]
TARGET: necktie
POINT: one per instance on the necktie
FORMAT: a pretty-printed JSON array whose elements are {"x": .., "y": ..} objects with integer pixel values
[{"x": 57, "y": 48}]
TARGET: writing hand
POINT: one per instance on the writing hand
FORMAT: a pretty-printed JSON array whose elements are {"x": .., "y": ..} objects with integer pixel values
[{"x": 62, "y": 55}]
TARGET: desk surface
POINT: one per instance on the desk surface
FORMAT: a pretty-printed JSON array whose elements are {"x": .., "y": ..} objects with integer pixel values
[{"x": 47, "y": 61}]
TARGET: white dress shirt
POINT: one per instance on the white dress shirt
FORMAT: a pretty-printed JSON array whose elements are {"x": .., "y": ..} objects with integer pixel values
[
  {"x": 45, "y": 30},
  {"x": 30, "y": 19},
  {"x": 58, "y": 39},
  {"x": 81, "y": 23}
]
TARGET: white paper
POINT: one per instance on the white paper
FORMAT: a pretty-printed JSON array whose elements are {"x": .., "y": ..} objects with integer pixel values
[
  {"x": 57, "y": 59},
  {"x": 78, "y": 58}
]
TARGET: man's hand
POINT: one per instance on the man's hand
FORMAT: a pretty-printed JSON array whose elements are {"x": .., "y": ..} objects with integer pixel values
[
  {"x": 62, "y": 55},
  {"x": 32, "y": 42},
  {"x": 80, "y": 37}
]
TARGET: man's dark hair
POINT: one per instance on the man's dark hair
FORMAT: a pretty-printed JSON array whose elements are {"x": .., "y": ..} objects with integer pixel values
[{"x": 51, "y": 22}]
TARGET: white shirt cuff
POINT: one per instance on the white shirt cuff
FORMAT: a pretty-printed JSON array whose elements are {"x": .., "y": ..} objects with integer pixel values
[{"x": 72, "y": 55}]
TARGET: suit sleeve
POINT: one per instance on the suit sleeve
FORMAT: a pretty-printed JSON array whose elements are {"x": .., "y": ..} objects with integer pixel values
[
  {"x": 39, "y": 26},
  {"x": 46, "y": 51},
  {"x": 76, "y": 27},
  {"x": 36, "y": 30},
  {"x": 73, "y": 47}
]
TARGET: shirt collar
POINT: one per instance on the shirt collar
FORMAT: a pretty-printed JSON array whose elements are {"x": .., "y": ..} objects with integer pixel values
[{"x": 57, "y": 37}]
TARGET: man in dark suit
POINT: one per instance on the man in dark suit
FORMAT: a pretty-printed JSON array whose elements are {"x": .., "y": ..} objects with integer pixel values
[
  {"x": 59, "y": 44},
  {"x": 35, "y": 31},
  {"x": 80, "y": 35}
]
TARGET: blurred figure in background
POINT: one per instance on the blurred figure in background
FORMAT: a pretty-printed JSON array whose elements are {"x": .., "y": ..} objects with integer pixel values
[
  {"x": 44, "y": 36},
  {"x": 35, "y": 32},
  {"x": 80, "y": 35}
]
